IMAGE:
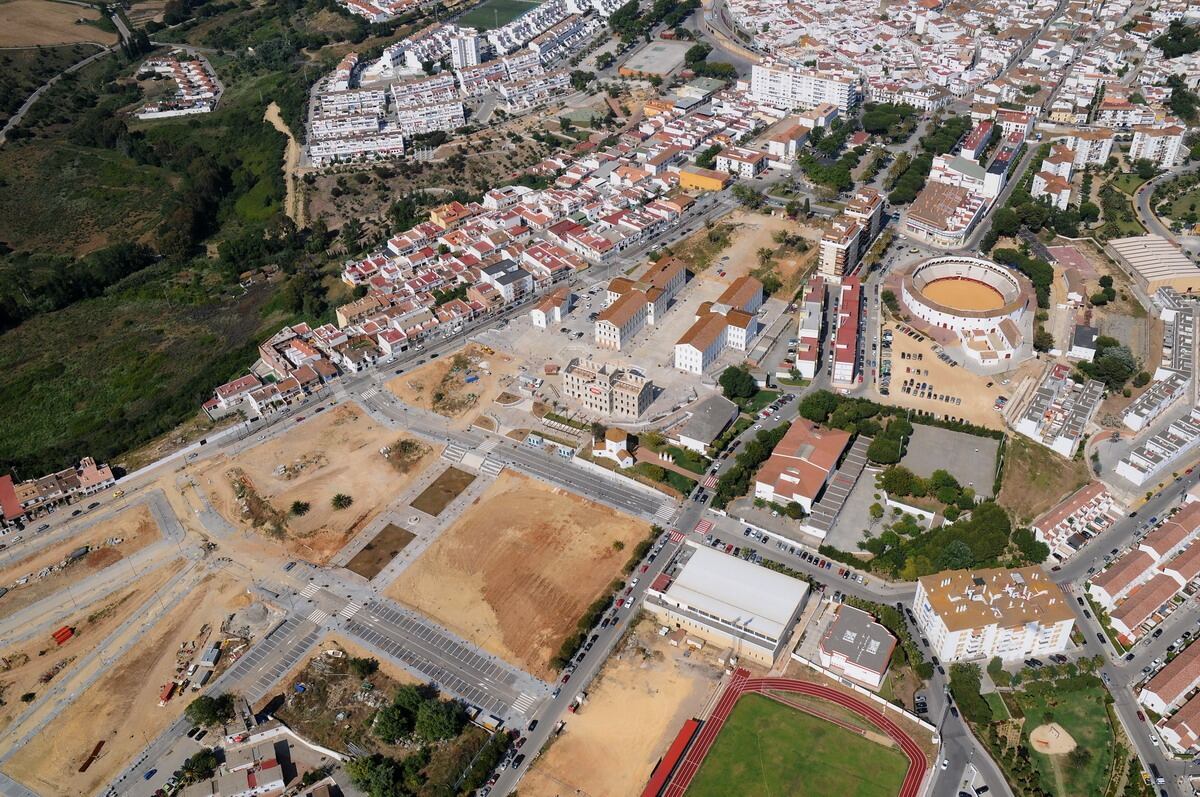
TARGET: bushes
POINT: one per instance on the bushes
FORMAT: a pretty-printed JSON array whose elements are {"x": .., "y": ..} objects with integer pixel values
[
  {"x": 418, "y": 710},
  {"x": 1039, "y": 272},
  {"x": 736, "y": 480},
  {"x": 571, "y": 645},
  {"x": 891, "y": 619},
  {"x": 965, "y": 683}
]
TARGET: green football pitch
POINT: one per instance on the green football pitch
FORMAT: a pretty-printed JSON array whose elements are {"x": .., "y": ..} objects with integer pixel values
[{"x": 495, "y": 13}]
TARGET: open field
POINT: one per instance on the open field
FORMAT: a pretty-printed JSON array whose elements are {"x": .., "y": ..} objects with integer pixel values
[
  {"x": 495, "y": 13},
  {"x": 1036, "y": 478},
  {"x": 441, "y": 386},
  {"x": 517, "y": 569},
  {"x": 31, "y": 22},
  {"x": 24, "y": 664},
  {"x": 1079, "y": 706},
  {"x": 768, "y": 748},
  {"x": 121, "y": 708},
  {"x": 635, "y": 707},
  {"x": 434, "y": 499},
  {"x": 337, "y": 452},
  {"x": 733, "y": 248},
  {"x": 134, "y": 526},
  {"x": 380, "y": 550}
]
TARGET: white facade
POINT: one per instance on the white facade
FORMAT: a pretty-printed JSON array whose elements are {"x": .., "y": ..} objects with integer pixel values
[
  {"x": 791, "y": 88},
  {"x": 465, "y": 49},
  {"x": 1162, "y": 146}
]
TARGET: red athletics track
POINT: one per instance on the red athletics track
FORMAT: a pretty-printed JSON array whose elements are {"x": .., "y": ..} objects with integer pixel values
[{"x": 742, "y": 684}]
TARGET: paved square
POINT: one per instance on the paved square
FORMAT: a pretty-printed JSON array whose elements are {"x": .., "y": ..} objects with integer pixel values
[{"x": 968, "y": 458}]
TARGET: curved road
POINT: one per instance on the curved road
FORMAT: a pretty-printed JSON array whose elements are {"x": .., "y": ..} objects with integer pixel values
[{"x": 32, "y": 98}]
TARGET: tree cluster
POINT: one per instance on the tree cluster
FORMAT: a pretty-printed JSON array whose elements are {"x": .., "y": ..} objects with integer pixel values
[
  {"x": 737, "y": 383},
  {"x": 207, "y": 710},
  {"x": 418, "y": 711},
  {"x": 1114, "y": 364}
]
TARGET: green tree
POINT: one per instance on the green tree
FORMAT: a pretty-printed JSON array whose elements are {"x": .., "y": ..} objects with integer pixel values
[
  {"x": 438, "y": 720},
  {"x": 956, "y": 556},
  {"x": 207, "y": 710},
  {"x": 737, "y": 383},
  {"x": 341, "y": 501},
  {"x": 818, "y": 406},
  {"x": 300, "y": 508},
  {"x": 884, "y": 450},
  {"x": 393, "y": 723},
  {"x": 200, "y": 766},
  {"x": 377, "y": 775},
  {"x": 363, "y": 667}
]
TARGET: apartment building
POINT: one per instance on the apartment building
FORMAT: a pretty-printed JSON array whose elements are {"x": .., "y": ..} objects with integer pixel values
[
  {"x": 944, "y": 215},
  {"x": 509, "y": 279},
  {"x": 808, "y": 329},
  {"x": 415, "y": 120},
  {"x": 1059, "y": 410},
  {"x": 466, "y": 48},
  {"x": 790, "y": 88},
  {"x": 729, "y": 322},
  {"x": 633, "y": 304},
  {"x": 978, "y": 614},
  {"x": 1140, "y": 563},
  {"x": 1085, "y": 513},
  {"x": 745, "y": 163},
  {"x": 607, "y": 390},
  {"x": 1162, "y": 146},
  {"x": 857, "y": 647},
  {"x": 27, "y": 499},
  {"x": 1171, "y": 685},
  {"x": 846, "y": 337},
  {"x": 840, "y": 246}
]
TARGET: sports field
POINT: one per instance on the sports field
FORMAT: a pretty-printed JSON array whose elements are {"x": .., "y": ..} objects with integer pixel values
[
  {"x": 495, "y": 13},
  {"x": 766, "y": 748}
]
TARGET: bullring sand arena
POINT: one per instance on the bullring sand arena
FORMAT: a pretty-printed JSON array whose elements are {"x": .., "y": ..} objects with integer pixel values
[{"x": 964, "y": 294}]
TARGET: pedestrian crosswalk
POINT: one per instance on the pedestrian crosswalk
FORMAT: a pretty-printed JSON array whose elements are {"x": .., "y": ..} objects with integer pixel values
[
  {"x": 709, "y": 482},
  {"x": 309, "y": 590},
  {"x": 454, "y": 452},
  {"x": 704, "y": 527},
  {"x": 676, "y": 535},
  {"x": 370, "y": 393},
  {"x": 522, "y": 703},
  {"x": 350, "y": 609},
  {"x": 664, "y": 513},
  {"x": 318, "y": 616},
  {"x": 491, "y": 467},
  {"x": 486, "y": 446}
]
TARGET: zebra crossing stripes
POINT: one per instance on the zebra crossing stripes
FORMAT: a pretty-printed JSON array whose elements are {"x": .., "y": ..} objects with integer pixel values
[
  {"x": 523, "y": 702},
  {"x": 454, "y": 452},
  {"x": 309, "y": 590},
  {"x": 676, "y": 535},
  {"x": 318, "y": 616},
  {"x": 486, "y": 446},
  {"x": 491, "y": 467},
  {"x": 709, "y": 482},
  {"x": 370, "y": 393},
  {"x": 703, "y": 527},
  {"x": 350, "y": 609},
  {"x": 665, "y": 512}
]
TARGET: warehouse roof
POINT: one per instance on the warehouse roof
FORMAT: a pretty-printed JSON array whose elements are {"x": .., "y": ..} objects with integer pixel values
[
  {"x": 737, "y": 591},
  {"x": 1154, "y": 257}
]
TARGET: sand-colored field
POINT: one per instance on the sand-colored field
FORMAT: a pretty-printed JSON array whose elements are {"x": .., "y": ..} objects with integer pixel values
[
  {"x": 441, "y": 385},
  {"x": 977, "y": 398},
  {"x": 635, "y": 707},
  {"x": 121, "y": 708},
  {"x": 134, "y": 526},
  {"x": 336, "y": 452},
  {"x": 751, "y": 232},
  {"x": 25, "y": 23},
  {"x": 1051, "y": 739},
  {"x": 964, "y": 294},
  {"x": 517, "y": 569},
  {"x": 22, "y": 665}
]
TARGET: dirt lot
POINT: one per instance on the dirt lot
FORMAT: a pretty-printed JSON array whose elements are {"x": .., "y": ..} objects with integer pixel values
[
  {"x": 337, "y": 452},
  {"x": 379, "y": 551},
  {"x": 30, "y": 22},
  {"x": 635, "y": 707},
  {"x": 1036, "y": 478},
  {"x": 434, "y": 499},
  {"x": 134, "y": 526},
  {"x": 23, "y": 665},
  {"x": 441, "y": 385},
  {"x": 121, "y": 708},
  {"x": 977, "y": 398},
  {"x": 517, "y": 569}
]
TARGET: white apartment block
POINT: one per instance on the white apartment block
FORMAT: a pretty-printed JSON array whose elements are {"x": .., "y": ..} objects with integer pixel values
[
  {"x": 465, "y": 49},
  {"x": 417, "y": 119},
  {"x": 1162, "y": 146},
  {"x": 745, "y": 163},
  {"x": 1091, "y": 147},
  {"x": 791, "y": 88},
  {"x": 727, "y": 323},
  {"x": 1067, "y": 527},
  {"x": 521, "y": 95},
  {"x": 385, "y": 144},
  {"x": 979, "y": 614},
  {"x": 840, "y": 249}
]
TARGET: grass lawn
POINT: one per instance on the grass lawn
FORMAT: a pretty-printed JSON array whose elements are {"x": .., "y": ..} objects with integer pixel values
[
  {"x": 1128, "y": 182},
  {"x": 689, "y": 460},
  {"x": 767, "y": 748},
  {"x": 1035, "y": 478},
  {"x": 495, "y": 13},
  {"x": 999, "y": 710},
  {"x": 1188, "y": 202},
  {"x": 756, "y": 402},
  {"x": 1077, "y": 704}
]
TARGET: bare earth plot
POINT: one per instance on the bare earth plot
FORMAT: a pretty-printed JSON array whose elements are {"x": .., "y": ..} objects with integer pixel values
[
  {"x": 337, "y": 452},
  {"x": 517, "y": 569},
  {"x": 121, "y": 708},
  {"x": 445, "y": 488},
  {"x": 634, "y": 709},
  {"x": 22, "y": 666},
  {"x": 442, "y": 387},
  {"x": 134, "y": 526},
  {"x": 32, "y": 22},
  {"x": 382, "y": 549}
]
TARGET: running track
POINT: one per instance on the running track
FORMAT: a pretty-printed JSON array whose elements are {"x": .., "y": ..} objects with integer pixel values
[{"x": 742, "y": 684}]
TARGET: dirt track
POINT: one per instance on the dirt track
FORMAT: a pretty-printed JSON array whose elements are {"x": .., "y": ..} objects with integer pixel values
[
  {"x": 294, "y": 203},
  {"x": 517, "y": 569}
]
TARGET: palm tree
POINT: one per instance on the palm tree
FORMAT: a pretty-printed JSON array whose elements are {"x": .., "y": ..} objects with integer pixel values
[{"x": 341, "y": 501}]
